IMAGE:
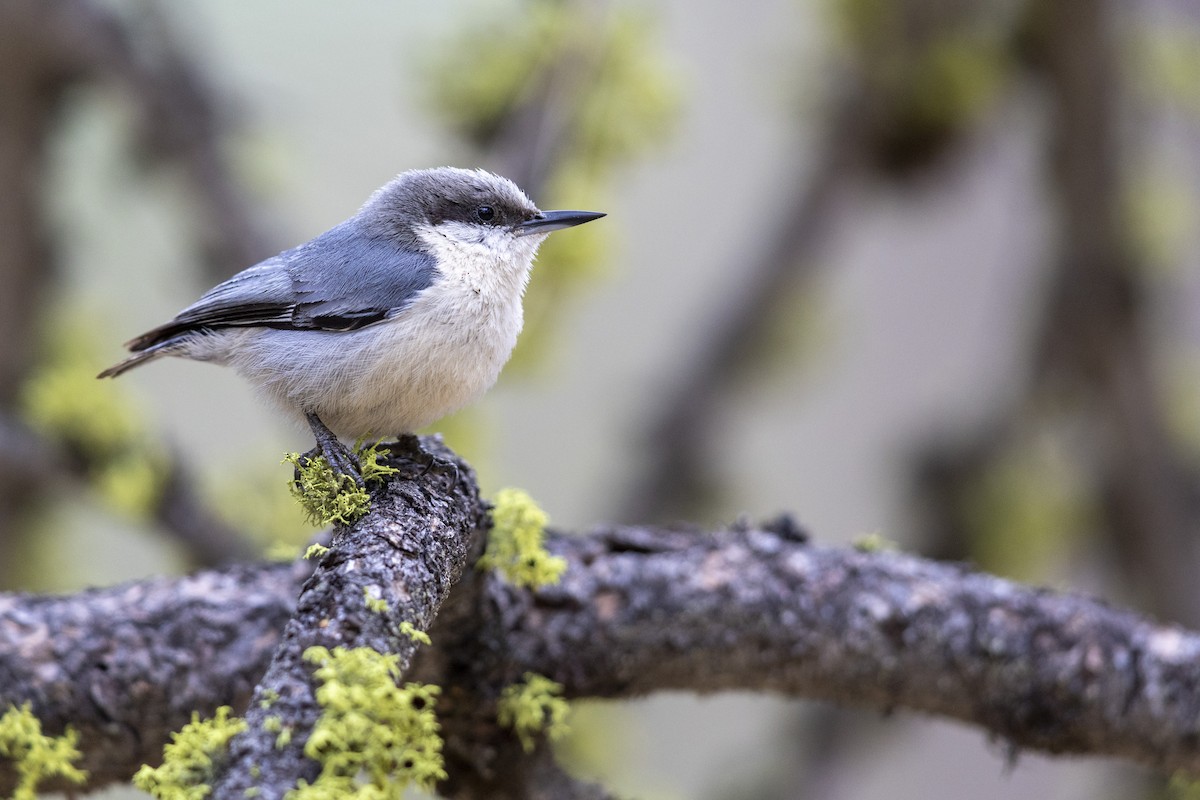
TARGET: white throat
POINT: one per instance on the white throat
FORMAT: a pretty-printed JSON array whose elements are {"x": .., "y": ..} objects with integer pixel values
[{"x": 494, "y": 262}]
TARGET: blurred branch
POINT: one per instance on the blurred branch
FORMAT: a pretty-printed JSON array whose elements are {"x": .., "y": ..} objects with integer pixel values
[
  {"x": 184, "y": 122},
  {"x": 46, "y": 51},
  {"x": 533, "y": 137},
  {"x": 1095, "y": 323},
  {"x": 34, "y": 75},
  {"x": 639, "y": 610},
  {"x": 1093, "y": 348},
  {"x": 898, "y": 105},
  {"x": 206, "y": 539},
  {"x": 50, "y": 48},
  {"x": 678, "y": 474}
]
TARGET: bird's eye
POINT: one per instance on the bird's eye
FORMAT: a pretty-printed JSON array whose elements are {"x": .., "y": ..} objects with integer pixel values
[{"x": 485, "y": 213}]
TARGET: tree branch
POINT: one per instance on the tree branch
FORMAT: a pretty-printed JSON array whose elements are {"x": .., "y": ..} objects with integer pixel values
[
  {"x": 646, "y": 610},
  {"x": 639, "y": 610},
  {"x": 127, "y": 665},
  {"x": 408, "y": 552}
]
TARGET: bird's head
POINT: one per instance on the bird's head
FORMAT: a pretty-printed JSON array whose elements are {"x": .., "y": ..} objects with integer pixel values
[{"x": 470, "y": 210}]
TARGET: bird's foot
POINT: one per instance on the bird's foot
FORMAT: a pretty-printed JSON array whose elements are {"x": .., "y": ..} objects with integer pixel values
[
  {"x": 339, "y": 457},
  {"x": 408, "y": 445}
]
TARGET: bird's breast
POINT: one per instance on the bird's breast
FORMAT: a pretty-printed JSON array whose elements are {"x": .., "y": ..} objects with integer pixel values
[{"x": 432, "y": 358}]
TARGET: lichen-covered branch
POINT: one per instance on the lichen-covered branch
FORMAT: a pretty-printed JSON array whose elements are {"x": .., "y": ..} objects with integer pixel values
[
  {"x": 127, "y": 665},
  {"x": 394, "y": 566},
  {"x": 644, "y": 610},
  {"x": 638, "y": 610}
]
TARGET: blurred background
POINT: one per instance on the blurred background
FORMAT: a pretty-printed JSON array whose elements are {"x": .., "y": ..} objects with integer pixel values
[{"x": 921, "y": 272}]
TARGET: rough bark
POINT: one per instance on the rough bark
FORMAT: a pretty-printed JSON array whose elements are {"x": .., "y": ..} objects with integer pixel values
[
  {"x": 639, "y": 610},
  {"x": 125, "y": 666},
  {"x": 408, "y": 551},
  {"x": 646, "y": 610}
]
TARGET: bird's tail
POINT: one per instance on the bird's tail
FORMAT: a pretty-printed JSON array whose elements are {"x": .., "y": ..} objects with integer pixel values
[{"x": 140, "y": 357}]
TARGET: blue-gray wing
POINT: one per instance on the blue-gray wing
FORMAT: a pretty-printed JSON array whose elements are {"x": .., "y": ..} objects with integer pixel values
[{"x": 339, "y": 281}]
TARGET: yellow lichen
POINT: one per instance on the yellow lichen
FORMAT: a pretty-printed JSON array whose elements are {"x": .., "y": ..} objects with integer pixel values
[
  {"x": 412, "y": 632},
  {"x": 516, "y": 544},
  {"x": 374, "y": 603},
  {"x": 35, "y": 755},
  {"x": 315, "y": 551},
  {"x": 373, "y": 737},
  {"x": 874, "y": 542},
  {"x": 192, "y": 758},
  {"x": 328, "y": 497},
  {"x": 534, "y": 707}
]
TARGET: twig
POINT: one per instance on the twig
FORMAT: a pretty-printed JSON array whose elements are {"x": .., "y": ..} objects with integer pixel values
[{"x": 207, "y": 539}]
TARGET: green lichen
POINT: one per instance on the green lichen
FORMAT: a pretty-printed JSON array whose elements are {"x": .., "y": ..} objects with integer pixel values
[
  {"x": 315, "y": 551},
  {"x": 516, "y": 545},
  {"x": 368, "y": 460},
  {"x": 283, "y": 733},
  {"x": 192, "y": 758},
  {"x": 269, "y": 697},
  {"x": 874, "y": 542},
  {"x": 373, "y": 737},
  {"x": 375, "y": 604},
  {"x": 328, "y": 497},
  {"x": 414, "y": 633},
  {"x": 37, "y": 756},
  {"x": 534, "y": 707}
]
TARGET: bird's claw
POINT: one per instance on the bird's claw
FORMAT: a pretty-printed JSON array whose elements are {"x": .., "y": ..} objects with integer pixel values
[
  {"x": 337, "y": 455},
  {"x": 341, "y": 461},
  {"x": 409, "y": 445},
  {"x": 345, "y": 463}
]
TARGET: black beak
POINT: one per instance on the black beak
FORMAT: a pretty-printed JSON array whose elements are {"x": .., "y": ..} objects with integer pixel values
[{"x": 548, "y": 221}]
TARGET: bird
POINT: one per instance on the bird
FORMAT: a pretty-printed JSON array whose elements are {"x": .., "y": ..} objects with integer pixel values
[{"x": 384, "y": 324}]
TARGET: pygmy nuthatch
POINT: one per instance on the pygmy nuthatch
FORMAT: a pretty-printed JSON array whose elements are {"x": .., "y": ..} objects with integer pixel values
[{"x": 386, "y": 323}]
